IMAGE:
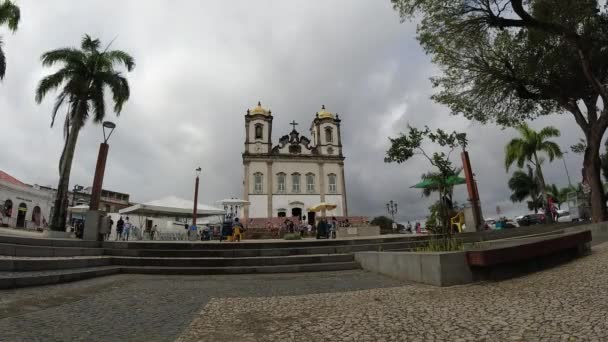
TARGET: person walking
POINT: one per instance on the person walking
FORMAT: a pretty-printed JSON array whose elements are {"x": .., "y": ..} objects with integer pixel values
[
  {"x": 237, "y": 230},
  {"x": 322, "y": 229},
  {"x": 409, "y": 227},
  {"x": 126, "y": 230},
  {"x": 119, "y": 228},
  {"x": 333, "y": 227},
  {"x": 110, "y": 225},
  {"x": 153, "y": 232}
]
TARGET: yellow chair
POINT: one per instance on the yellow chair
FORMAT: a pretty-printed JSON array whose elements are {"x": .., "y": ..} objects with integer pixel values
[{"x": 458, "y": 221}]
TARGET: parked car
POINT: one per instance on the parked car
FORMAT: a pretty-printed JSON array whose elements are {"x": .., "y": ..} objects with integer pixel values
[
  {"x": 564, "y": 216},
  {"x": 532, "y": 219}
]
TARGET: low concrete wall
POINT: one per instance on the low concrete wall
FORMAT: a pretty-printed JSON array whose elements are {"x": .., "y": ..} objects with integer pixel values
[
  {"x": 433, "y": 268},
  {"x": 599, "y": 231},
  {"x": 346, "y": 232}
]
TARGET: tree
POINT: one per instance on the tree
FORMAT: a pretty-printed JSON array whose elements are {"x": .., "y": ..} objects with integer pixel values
[
  {"x": 10, "y": 15},
  {"x": 82, "y": 80},
  {"x": 525, "y": 185},
  {"x": 560, "y": 195},
  {"x": 511, "y": 60},
  {"x": 436, "y": 177},
  {"x": 527, "y": 147},
  {"x": 408, "y": 145},
  {"x": 385, "y": 224},
  {"x": 580, "y": 148}
]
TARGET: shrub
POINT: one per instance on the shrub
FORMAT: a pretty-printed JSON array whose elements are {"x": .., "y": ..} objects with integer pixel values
[
  {"x": 442, "y": 244},
  {"x": 292, "y": 236}
]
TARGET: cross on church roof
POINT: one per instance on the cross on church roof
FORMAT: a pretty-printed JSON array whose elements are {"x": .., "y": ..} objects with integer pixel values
[{"x": 294, "y": 124}]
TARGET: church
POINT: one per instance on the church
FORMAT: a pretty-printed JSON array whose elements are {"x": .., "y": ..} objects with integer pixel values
[{"x": 287, "y": 178}]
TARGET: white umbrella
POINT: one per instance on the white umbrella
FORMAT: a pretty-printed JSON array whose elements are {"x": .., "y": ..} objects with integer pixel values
[{"x": 171, "y": 207}]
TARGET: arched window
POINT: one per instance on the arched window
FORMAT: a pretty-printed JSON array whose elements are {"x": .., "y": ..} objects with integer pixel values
[
  {"x": 257, "y": 182},
  {"x": 295, "y": 182},
  {"x": 8, "y": 208},
  {"x": 281, "y": 182},
  {"x": 333, "y": 186},
  {"x": 259, "y": 131},
  {"x": 329, "y": 136},
  {"x": 310, "y": 182}
]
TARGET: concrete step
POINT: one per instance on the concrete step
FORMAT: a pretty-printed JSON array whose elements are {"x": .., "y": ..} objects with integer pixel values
[
  {"x": 29, "y": 264},
  {"x": 46, "y": 251},
  {"x": 265, "y": 252},
  {"x": 336, "y": 266},
  {"x": 232, "y": 262},
  {"x": 23, "y": 279},
  {"x": 44, "y": 241},
  {"x": 37, "y": 278}
]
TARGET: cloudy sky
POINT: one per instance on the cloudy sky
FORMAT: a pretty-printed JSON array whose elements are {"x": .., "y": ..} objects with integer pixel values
[{"x": 201, "y": 64}]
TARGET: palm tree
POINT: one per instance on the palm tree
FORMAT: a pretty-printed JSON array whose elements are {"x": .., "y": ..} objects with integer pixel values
[
  {"x": 526, "y": 186},
  {"x": 10, "y": 15},
  {"x": 560, "y": 195},
  {"x": 82, "y": 79},
  {"x": 527, "y": 149}
]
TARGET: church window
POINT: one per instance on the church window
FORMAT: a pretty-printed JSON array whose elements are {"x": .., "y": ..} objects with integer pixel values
[
  {"x": 295, "y": 182},
  {"x": 328, "y": 135},
  {"x": 257, "y": 182},
  {"x": 333, "y": 187},
  {"x": 310, "y": 182},
  {"x": 281, "y": 182},
  {"x": 259, "y": 131}
]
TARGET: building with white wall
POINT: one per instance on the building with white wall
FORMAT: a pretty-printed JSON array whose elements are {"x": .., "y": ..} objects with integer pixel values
[
  {"x": 287, "y": 178},
  {"x": 22, "y": 205}
]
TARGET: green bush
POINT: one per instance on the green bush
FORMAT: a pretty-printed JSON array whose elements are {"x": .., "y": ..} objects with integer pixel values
[
  {"x": 442, "y": 244},
  {"x": 292, "y": 236}
]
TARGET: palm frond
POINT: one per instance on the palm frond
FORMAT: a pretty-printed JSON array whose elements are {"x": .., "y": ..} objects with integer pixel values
[
  {"x": 119, "y": 87},
  {"x": 120, "y": 57},
  {"x": 97, "y": 99},
  {"x": 64, "y": 55},
  {"x": 89, "y": 44},
  {"x": 552, "y": 149},
  {"x": 548, "y": 132},
  {"x": 10, "y": 14},
  {"x": 2, "y": 61},
  {"x": 49, "y": 83}
]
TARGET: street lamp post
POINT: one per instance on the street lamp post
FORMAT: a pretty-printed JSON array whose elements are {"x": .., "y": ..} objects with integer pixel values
[
  {"x": 391, "y": 208},
  {"x": 93, "y": 217},
  {"x": 198, "y": 172}
]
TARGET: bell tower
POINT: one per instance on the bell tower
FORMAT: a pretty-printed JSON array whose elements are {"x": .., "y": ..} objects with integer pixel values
[
  {"x": 258, "y": 130},
  {"x": 325, "y": 131}
]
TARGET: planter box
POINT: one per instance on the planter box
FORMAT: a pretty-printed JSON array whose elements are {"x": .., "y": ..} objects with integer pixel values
[
  {"x": 433, "y": 268},
  {"x": 54, "y": 234}
]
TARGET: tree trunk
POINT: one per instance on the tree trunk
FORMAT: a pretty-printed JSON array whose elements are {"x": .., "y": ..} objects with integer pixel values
[
  {"x": 541, "y": 180},
  {"x": 60, "y": 210},
  {"x": 592, "y": 174}
]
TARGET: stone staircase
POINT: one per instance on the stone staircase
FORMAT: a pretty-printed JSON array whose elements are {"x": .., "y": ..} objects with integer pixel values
[
  {"x": 38, "y": 261},
  {"x": 32, "y": 261}
]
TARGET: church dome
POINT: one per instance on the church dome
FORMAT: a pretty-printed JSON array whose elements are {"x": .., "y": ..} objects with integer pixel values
[
  {"x": 324, "y": 114},
  {"x": 259, "y": 110}
]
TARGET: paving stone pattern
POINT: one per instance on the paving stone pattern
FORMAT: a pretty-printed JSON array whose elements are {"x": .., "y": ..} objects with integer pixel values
[{"x": 569, "y": 303}]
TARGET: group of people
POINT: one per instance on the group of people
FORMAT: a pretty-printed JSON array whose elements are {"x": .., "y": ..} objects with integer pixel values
[
  {"x": 327, "y": 228},
  {"x": 416, "y": 229}
]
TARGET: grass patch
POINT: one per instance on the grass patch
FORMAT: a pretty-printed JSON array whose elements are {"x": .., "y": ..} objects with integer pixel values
[
  {"x": 442, "y": 244},
  {"x": 292, "y": 236}
]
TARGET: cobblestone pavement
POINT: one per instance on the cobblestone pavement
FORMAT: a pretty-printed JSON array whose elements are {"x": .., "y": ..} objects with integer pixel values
[
  {"x": 148, "y": 308},
  {"x": 569, "y": 303}
]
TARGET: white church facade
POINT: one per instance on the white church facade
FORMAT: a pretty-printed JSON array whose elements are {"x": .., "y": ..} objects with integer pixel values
[{"x": 287, "y": 178}]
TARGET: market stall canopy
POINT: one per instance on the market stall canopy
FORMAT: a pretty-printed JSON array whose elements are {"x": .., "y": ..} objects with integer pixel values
[
  {"x": 171, "y": 207},
  {"x": 322, "y": 206},
  {"x": 79, "y": 209},
  {"x": 430, "y": 183}
]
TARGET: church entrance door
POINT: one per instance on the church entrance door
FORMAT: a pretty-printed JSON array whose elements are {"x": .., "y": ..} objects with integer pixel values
[
  {"x": 296, "y": 212},
  {"x": 311, "y": 218}
]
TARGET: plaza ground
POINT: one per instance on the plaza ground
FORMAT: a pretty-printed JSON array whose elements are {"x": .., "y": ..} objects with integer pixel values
[{"x": 567, "y": 303}]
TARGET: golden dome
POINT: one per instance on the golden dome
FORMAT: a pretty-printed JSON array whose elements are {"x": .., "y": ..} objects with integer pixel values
[
  {"x": 259, "y": 110},
  {"x": 324, "y": 114}
]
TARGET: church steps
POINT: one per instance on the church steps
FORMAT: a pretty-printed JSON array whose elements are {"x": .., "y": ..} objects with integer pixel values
[
  {"x": 229, "y": 262},
  {"x": 46, "y": 251},
  {"x": 38, "y": 278}
]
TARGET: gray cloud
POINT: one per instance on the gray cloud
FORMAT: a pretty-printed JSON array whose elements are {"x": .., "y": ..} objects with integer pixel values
[{"x": 200, "y": 65}]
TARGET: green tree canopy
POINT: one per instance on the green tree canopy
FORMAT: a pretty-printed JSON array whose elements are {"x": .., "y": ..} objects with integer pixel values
[
  {"x": 512, "y": 60},
  {"x": 9, "y": 15},
  {"x": 525, "y": 186}
]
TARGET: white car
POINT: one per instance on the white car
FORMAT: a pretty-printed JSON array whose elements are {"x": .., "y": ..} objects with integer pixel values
[{"x": 563, "y": 216}]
